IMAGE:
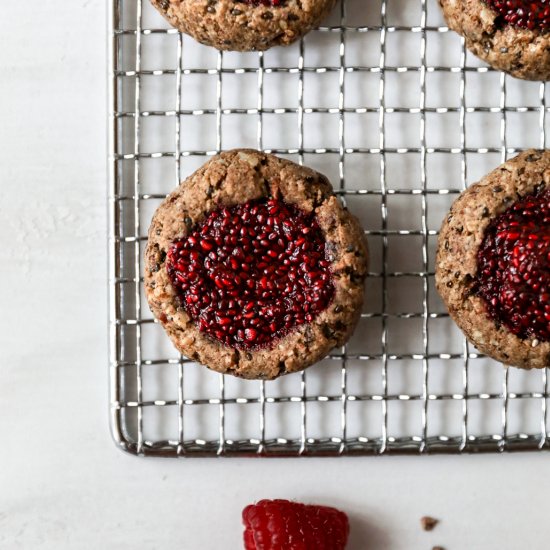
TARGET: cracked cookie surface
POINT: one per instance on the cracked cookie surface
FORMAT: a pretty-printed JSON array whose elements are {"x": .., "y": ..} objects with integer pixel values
[
  {"x": 236, "y": 178},
  {"x": 457, "y": 262},
  {"x": 519, "y": 51},
  {"x": 245, "y": 25}
]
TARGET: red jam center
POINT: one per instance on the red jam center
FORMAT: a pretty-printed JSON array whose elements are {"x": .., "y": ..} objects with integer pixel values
[
  {"x": 529, "y": 14},
  {"x": 514, "y": 267},
  {"x": 251, "y": 273}
]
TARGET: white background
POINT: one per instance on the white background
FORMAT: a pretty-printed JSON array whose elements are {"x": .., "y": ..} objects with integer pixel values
[{"x": 63, "y": 484}]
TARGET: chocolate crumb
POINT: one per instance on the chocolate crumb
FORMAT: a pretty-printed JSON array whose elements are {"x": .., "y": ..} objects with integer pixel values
[{"x": 428, "y": 523}]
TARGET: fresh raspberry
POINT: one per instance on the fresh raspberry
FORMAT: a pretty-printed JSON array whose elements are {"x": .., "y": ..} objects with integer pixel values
[
  {"x": 249, "y": 274},
  {"x": 514, "y": 267},
  {"x": 523, "y": 13},
  {"x": 285, "y": 525}
]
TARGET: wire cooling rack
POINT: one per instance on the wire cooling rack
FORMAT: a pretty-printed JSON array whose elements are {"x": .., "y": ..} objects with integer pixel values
[{"x": 391, "y": 106}]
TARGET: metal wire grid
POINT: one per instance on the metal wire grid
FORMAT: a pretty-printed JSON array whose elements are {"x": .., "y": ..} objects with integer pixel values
[{"x": 131, "y": 371}]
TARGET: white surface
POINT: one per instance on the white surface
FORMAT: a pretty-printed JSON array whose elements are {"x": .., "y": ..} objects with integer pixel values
[{"x": 63, "y": 485}]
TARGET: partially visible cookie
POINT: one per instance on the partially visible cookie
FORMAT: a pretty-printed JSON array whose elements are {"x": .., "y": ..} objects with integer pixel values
[
  {"x": 253, "y": 266},
  {"x": 511, "y": 35},
  {"x": 245, "y": 25},
  {"x": 493, "y": 262}
]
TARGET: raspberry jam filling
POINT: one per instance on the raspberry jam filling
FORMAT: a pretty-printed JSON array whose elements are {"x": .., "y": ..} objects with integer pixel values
[
  {"x": 527, "y": 14},
  {"x": 251, "y": 273},
  {"x": 514, "y": 267}
]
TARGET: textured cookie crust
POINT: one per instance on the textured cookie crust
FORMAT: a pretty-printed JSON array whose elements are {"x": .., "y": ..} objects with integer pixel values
[
  {"x": 238, "y": 26},
  {"x": 523, "y": 53},
  {"x": 456, "y": 263},
  {"x": 232, "y": 178}
]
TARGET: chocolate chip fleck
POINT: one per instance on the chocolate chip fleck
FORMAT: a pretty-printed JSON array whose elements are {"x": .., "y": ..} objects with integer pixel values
[{"x": 428, "y": 523}]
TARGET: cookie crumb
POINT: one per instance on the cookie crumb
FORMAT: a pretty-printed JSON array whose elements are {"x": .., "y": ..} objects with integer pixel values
[{"x": 428, "y": 523}]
